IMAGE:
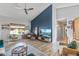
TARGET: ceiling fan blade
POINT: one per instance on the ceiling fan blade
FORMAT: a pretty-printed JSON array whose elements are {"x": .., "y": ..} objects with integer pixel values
[
  {"x": 30, "y": 9},
  {"x": 26, "y": 11}
]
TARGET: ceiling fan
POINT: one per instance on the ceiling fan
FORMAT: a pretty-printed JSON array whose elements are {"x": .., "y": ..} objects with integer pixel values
[{"x": 25, "y": 8}]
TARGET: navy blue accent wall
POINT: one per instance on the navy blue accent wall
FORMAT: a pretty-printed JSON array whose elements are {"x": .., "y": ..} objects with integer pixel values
[{"x": 44, "y": 20}]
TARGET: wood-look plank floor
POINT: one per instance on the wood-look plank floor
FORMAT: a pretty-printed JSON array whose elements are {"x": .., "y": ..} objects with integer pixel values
[{"x": 44, "y": 47}]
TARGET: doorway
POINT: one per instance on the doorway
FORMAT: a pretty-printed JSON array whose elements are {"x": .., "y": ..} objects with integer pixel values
[{"x": 62, "y": 32}]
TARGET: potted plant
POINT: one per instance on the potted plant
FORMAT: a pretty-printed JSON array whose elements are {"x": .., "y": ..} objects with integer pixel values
[{"x": 72, "y": 45}]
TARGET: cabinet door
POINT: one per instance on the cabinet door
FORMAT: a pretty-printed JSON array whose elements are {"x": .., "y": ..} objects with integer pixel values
[{"x": 76, "y": 28}]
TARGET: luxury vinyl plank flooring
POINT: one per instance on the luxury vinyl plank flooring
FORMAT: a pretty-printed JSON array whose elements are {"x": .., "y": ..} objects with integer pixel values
[{"x": 44, "y": 47}]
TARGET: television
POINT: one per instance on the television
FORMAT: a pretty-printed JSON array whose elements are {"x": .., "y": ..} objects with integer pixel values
[{"x": 45, "y": 33}]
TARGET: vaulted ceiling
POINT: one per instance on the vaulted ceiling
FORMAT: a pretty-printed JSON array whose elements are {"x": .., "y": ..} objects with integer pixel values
[
  {"x": 63, "y": 5},
  {"x": 14, "y": 11}
]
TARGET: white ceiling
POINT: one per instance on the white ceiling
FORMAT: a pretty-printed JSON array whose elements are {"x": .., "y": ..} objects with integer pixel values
[
  {"x": 12, "y": 11},
  {"x": 63, "y": 5}
]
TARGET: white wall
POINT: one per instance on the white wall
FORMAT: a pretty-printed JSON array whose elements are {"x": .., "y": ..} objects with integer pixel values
[
  {"x": 55, "y": 43},
  {"x": 67, "y": 12}
]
